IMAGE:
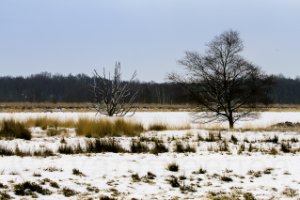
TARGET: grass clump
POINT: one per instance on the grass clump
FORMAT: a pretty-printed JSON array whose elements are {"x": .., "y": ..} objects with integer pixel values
[
  {"x": 226, "y": 179},
  {"x": 13, "y": 129},
  {"x": 135, "y": 178},
  {"x": 104, "y": 145},
  {"x": 68, "y": 149},
  {"x": 93, "y": 146},
  {"x": 286, "y": 147},
  {"x": 273, "y": 140},
  {"x": 28, "y": 188},
  {"x": 157, "y": 127},
  {"x": 200, "y": 171},
  {"x": 289, "y": 192},
  {"x": 45, "y": 122},
  {"x": 67, "y": 192},
  {"x": 159, "y": 147},
  {"x": 106, "y": 127},
  {"x": 4, "y": 151},
  {"x": 138, "y": 147},
  {"x": 174, "y": 182},
  {"x": 4, "y": 196},
  {"x": 179, "y": 148},
  {"x": 173, "y": 167},
  {"x": 77, "y": 172}
]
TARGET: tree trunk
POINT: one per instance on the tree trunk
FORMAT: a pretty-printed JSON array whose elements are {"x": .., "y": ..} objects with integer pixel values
[
  {"x": 230, "y": 120},
  {"x": 231, "y": 124}
]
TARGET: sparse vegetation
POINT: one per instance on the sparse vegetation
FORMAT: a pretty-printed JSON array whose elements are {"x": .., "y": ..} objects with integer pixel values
[
  {"x": 286, "y": 147},
  {"x": 103, "y": 145},
  {"x": 290, "y": 192},
  {"x": 5, "y": 151},
  {"x": 138, "y": 147},
  {"x": 180, "y": 148},
  {"x": 159, "y": 147},
  {"x": 52, "y": 123},
  {"x": 28, "y": 188}
]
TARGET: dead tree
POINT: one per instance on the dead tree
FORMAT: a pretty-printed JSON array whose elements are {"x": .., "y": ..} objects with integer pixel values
[
  {"x": 113, "y": 97},
  {"x": 222, "y": 82}
]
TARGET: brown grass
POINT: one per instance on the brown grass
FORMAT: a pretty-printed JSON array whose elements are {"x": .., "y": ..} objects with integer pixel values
[
  {"x": 45, "y": 122},
  {"x": 162, "y": 126},
  {"x": 106, "y": 127}
]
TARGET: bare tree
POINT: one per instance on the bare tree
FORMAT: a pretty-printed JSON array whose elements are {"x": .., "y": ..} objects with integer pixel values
[
  {"x": 113, "y": 97},
  {"x": 222, "y": 82}
]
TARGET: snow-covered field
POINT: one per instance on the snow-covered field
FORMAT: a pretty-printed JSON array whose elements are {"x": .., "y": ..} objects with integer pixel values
[{"x": 239, "y": 165}]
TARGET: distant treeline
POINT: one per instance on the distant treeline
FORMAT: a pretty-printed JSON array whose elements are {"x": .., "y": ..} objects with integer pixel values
[{"x": 45, "y": 87}]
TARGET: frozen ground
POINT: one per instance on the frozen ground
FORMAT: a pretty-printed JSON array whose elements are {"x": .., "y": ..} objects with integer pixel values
[{"x": 247, "y": 166}]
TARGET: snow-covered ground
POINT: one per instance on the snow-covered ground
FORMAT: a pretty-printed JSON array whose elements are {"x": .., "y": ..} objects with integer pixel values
[{"x": 247, "y": 166}]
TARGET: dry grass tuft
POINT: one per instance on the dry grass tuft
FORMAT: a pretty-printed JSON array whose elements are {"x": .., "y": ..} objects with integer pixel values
[
  {"x": 107, "y": 128},
  {"x": 13, "y": 129},
  {"x": 45, "y": 122}
]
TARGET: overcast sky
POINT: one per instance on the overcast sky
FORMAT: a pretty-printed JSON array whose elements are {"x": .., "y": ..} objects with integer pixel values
[{"x": 76, "y": 36}]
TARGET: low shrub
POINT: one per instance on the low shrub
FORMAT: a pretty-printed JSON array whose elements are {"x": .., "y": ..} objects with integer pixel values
[{"x": 13, "y": 129}]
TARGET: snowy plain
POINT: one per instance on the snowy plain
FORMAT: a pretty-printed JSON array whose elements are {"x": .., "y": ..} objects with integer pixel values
[{"x": 264, "y": 175}]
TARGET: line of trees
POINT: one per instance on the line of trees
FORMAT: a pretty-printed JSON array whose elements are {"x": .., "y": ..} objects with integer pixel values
[{"x": 45, "y": 87}]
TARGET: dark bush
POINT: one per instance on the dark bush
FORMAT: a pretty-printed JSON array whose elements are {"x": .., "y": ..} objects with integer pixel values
[
  {"x": 28, "y": 188},
  {"x": 138, "y": 147},
  {"x": 13, "y": 129}
]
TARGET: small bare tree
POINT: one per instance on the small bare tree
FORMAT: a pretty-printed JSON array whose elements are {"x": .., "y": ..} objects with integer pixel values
[
  {"x": 223, "y": 83},
  {"x": 113, "y": 97}
]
